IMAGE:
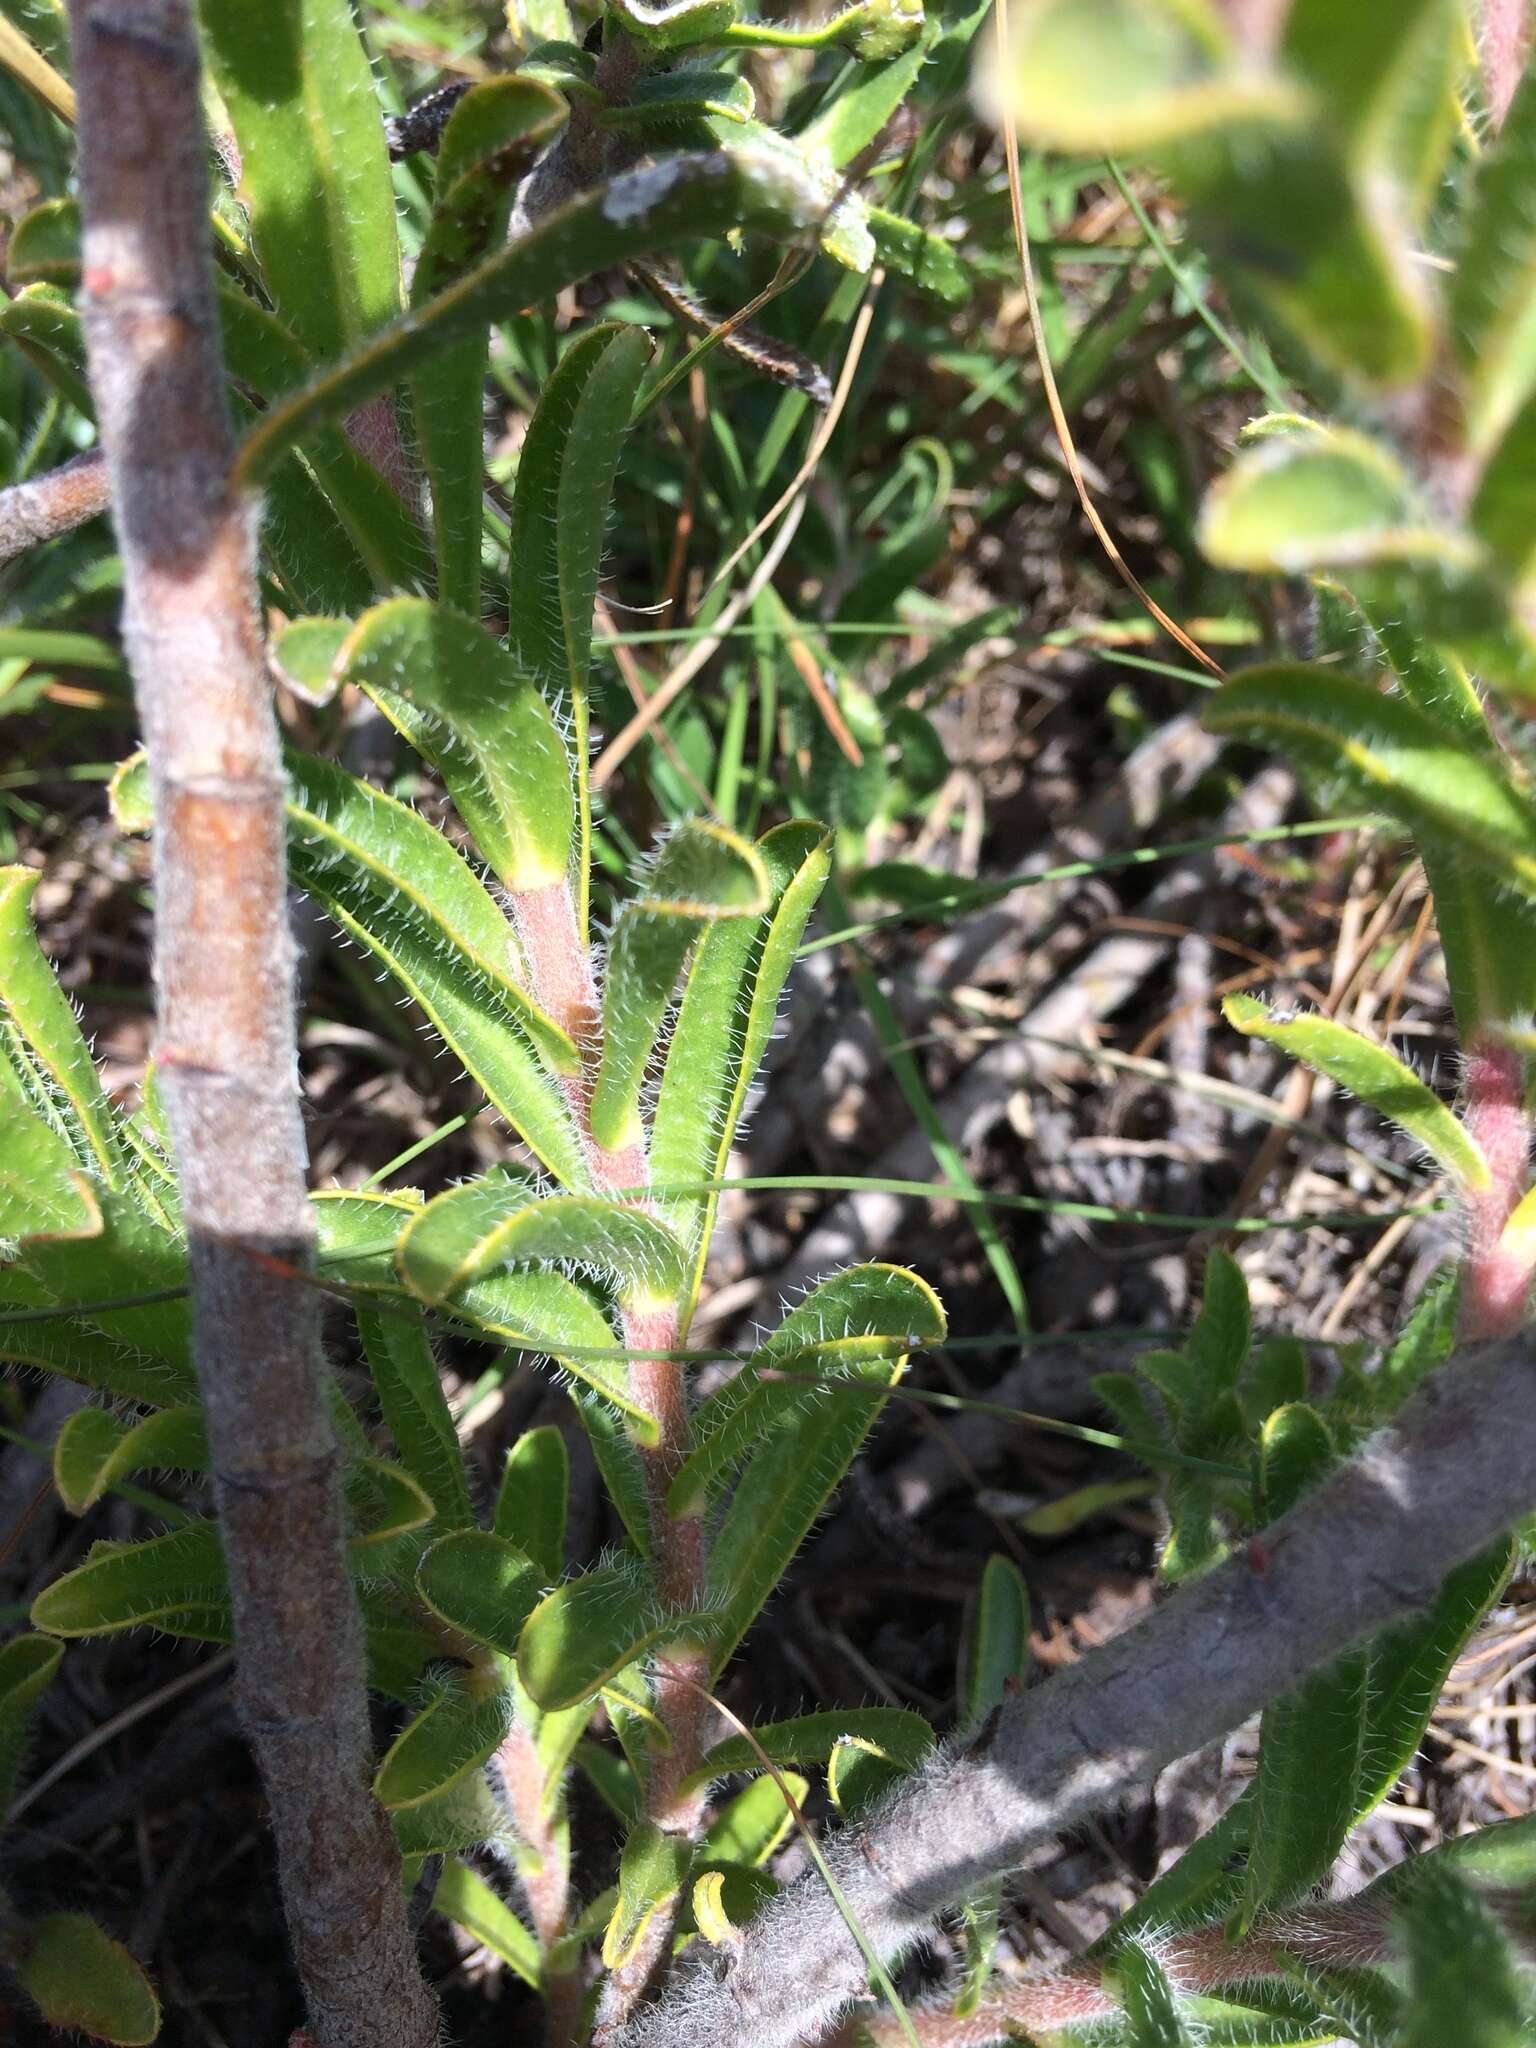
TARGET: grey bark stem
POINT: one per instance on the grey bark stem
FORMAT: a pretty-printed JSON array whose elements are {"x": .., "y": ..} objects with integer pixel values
[
  {"x": 224, "y": 975},
  {"x": 1452, "y": 1472},
  {"x": 55, "y": 503}
]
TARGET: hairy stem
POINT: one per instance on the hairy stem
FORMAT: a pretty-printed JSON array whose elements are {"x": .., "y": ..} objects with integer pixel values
[
  {"x": 563, "y": 982},
  {"x": 225, "y": 998},
  {"x": 45, "y": 506},
  {"x": 1456, "y": 1469},
  {"x": 1338, "y": 1936}
]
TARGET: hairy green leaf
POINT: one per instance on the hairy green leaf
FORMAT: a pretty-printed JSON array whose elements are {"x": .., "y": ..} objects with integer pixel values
[
  {"x": 1493, "y": 289},
  {"x": 31, "y": 998},
  {"x": 482, "y": 724},
  {"x": 924, "y": 259},
  {"x": 453, "y": 1735},
  {"x": 729, "y": 1004},
  {"x": 466, "y": 1816},
  {"x": 703, "y": 873},
  {"x": 314, "y": 171},
  {"x": 1407, "y": 763},
  {"x": 480, "y": 1584},
  {"x": 750, "y": 1827},
  {"x": 480, "y": 1227},
  {"x": 803, "y": 1458},
  {"x": 1139, "y": 1982},
  {"x": 587, "y": 1630},
  {"x": 1329, "y": 498},
  {"x": 1375, "y": 1076},
  {"x": 1463, "y": 1980},
  {"x": 996, "y": 1648},
  {"x": 124, "y": 1585},
  {"x": 79, "y": 1978},
  {"x": 468, "y": 1901},
  {"x": 811, "y": 1738},
  {"x": 851, "y": 1328},
  {"x": 405, "y": 1376},
  {"x": 396, "y": 885},
  {"x": 532, "y": 1498},
  {"x": 95, "y": 1449},
  {"x": 493, "y": 134},
  {"x": 653, "y": 1869},
  {"x": 27, "y": 1667}
]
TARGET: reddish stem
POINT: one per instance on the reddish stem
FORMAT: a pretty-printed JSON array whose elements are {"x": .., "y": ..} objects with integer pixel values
[
  {"x": 1498, "y": 1277},
  {"x": 563, "y": 982}
]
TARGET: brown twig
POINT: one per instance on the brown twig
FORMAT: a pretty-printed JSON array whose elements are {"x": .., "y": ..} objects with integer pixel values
[
  {"x": 225, "y": 994},
  {"x": 1456, "y": 1468},
  {"x": 45, "y": 506}
]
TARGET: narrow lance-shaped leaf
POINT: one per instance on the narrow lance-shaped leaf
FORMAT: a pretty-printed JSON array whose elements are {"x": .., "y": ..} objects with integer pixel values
[
  {"x": 1374, "y": 1075},
  {"x": 494, "y": 132},
  {"x": 1139, "y": 1982},
  {"x": 385, "y": 1501},
  {"x": 482, "y": 724},
  {"x": 997, "y": 1641},
  {"x": 468, "y": 1901},
  {"x": 531, "y": 1500},
  {"x": 702, "y": 873},
  {"x": 1464, "y": 1981},
  {"x": 850, "y": 1328},
  {"x": 396, "y": 885},
  {"x": 729, "y": 1005},
  {"x": 475, "y": 1229},
  {"x": 1493, "y": 287},
  {"x": 811, "y": 1738},
  {"x": 529, "y": 1311},
  {"x": 752, "y": 1825},
  {"x": 584, "y": 490},
  {"x": 851, "y": 119},
  {"x": 43, "y": 1192},
  {"x": 405, "y": 1376},
  {"x": 707, "y": 193},
  {"x": 124, "y": 1585},
  {"x": 793, "y": 1472},
  {"x": 860, "y": 1772},
  {"x": 1405, "y": 762},
  {"x": 314, "y": 168},
  {"x": 31, "y": 997},
  {"x": 1311, "y": 1741}
]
